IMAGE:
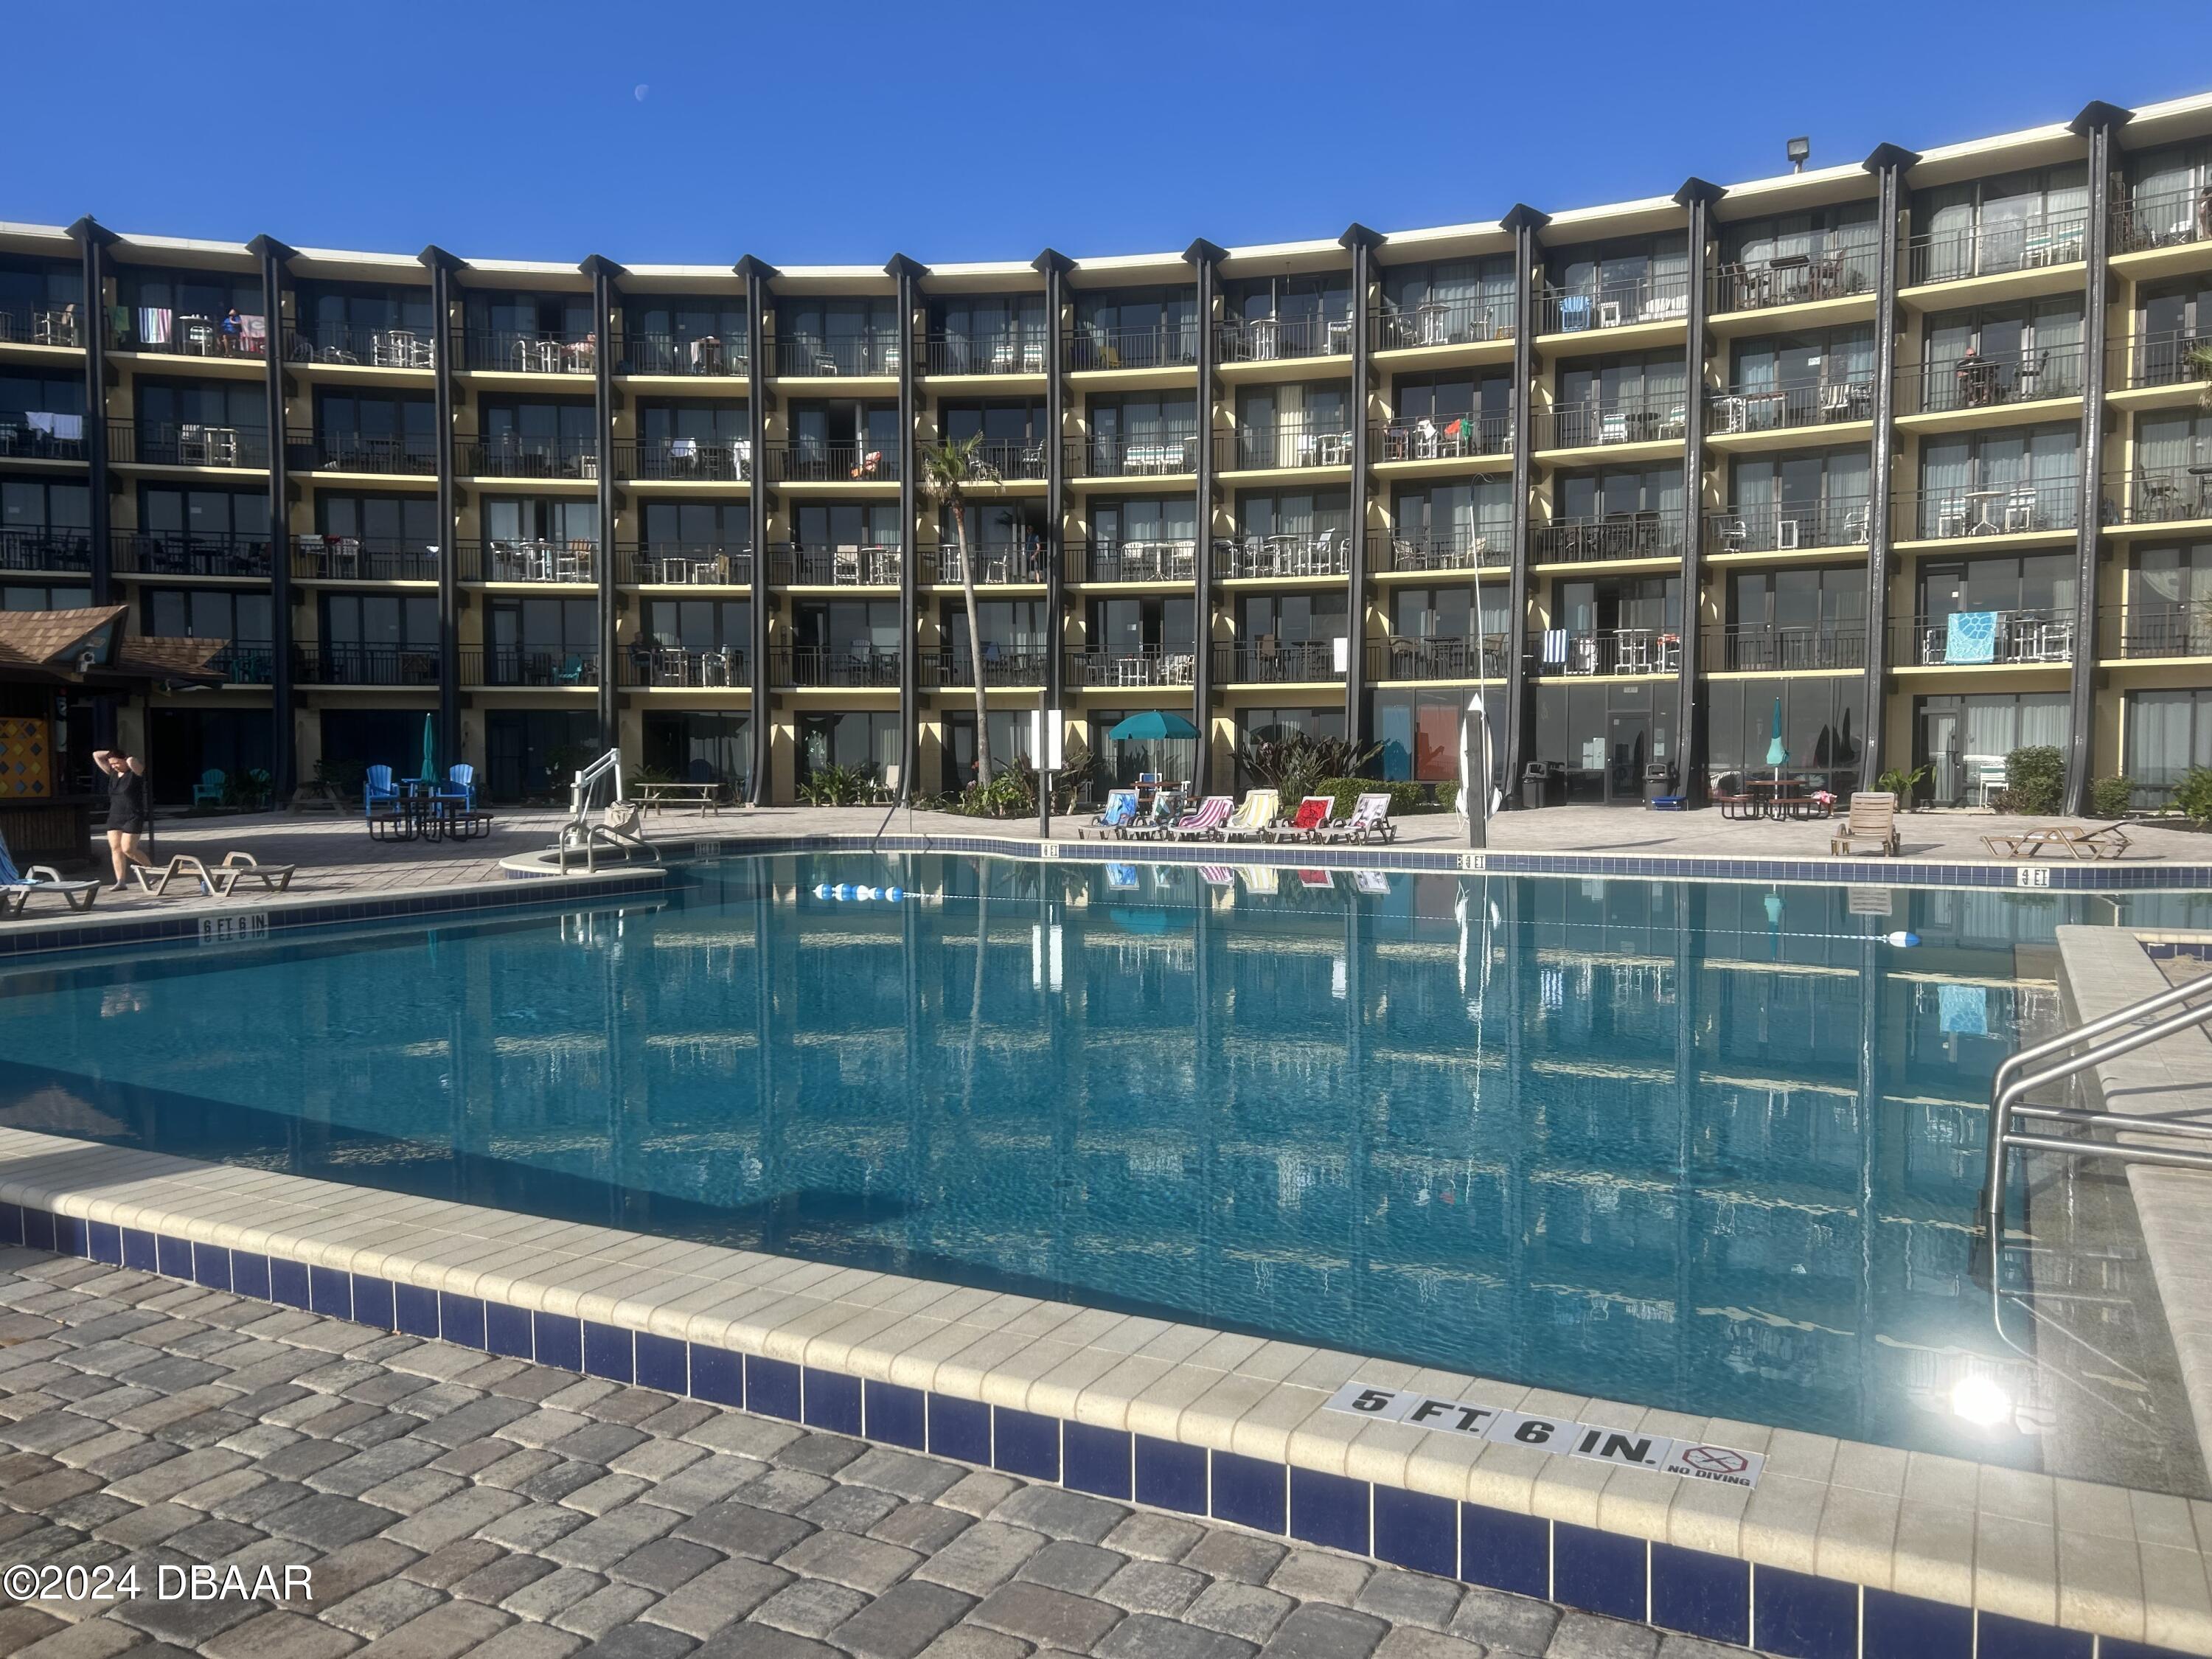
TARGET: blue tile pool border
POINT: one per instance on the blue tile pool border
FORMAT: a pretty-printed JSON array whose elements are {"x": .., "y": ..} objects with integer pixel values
[{"x": 1664, "y": 1586}]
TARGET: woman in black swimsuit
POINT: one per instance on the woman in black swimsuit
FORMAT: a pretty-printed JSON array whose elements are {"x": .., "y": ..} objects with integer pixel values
[{"x": 129, "y": 817}]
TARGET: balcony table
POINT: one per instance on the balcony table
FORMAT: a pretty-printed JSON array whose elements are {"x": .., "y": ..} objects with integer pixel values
[{"x": 1983, "y": 501}]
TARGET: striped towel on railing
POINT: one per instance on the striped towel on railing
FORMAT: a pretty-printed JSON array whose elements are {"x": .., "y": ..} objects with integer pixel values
[{"x": 1555, "y": 646}]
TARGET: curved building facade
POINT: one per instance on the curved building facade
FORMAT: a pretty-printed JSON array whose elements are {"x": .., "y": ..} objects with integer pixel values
[{"x": 1906, "y": 456}]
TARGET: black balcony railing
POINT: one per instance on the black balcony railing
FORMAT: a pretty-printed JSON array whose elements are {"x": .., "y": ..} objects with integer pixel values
[
  {"x": 1571, "y": 651},
  {"x": 1784, "y": 648},
  {"x": 362, "y": 558},
  {"x": 1613, "y": 305},
  {"x": 245, "y": 662},
  {"x": 707, "y": 355},
  {"x": 1444, "y": 438},
  {"x": 684, "y": 564},
  {"x": 1163, "y": 453},
  {"x": 1000, "y": 459},
  {"x": 1662, "y": 418},
  {"x": 1806, "y": 402},
  {"x": 998, "y": 563},
  {"x": 1168, "y": 345},
  {"x": 1618, "y": 536},
  {"x": 1154, "y": 665},
  {"x": 848, "y": 356},
  {"x": 552, "y": 667},
  {"x": 1796, "y": 279},
  {"x": 343, "y": 664},
  {"x": 1439, "y": 549},
  {"x": 1003, "y": 665},
  {"x": 2012, "y": 509},
  {"x": 1014, "y": 351},
  {"x": 46, "y": 325},
  {"x": 1998, "y": 246},
  {"x": 571, "y": 563},
  {"x": 152, "y": 329},
  {"x": 722, "y": 668},
  {"x": 875, "y": 565},
  {"x": 162, "y": 444},
  {"x": 2160, "y": 630},
  {"x": 858, "y": 666},
  {"x": 41, "y": 435},
  {"x": 2168, "y": 358},
  {"x": 1263, "y": 339},
  {"x": 45, "y": 549},
  {"x": 1284, "y": 443},
  {"x": 2165, "y": 218},
  {"x": 1170, "y": 560},
  {"x": 360, "y": 452},
  {"x": 515, "y": 456},
  {"x": 530, "y": 354},
  {"x": 869, "y": 460},
  {"x": 2024, "y": 637},
  {"x": 1437, "y": 657},
  {"x": 369, "y": 347},
  {"x": 689, "y": 460},
  {"x": 1442, "y": 323},
  {"x": 1271, "y": 661},
  {"x": 1980, "y": 382},
  {"x": 1323, "y": 552},
  {"x": 1785, "y": 526},
  {"x": 181, "y": 553},
  {"x": 2167, "y": 494}
]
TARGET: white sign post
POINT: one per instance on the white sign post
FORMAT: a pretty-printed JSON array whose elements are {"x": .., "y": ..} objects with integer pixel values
[
  {"x": 1476, "y": 793},
  {"x": 1045, "y": 739}
]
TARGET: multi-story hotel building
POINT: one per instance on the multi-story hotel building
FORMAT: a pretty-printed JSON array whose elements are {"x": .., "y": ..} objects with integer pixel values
[{"x": 1909, "y": 454}]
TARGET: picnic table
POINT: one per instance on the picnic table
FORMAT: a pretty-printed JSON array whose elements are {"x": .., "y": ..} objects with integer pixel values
[{"x": 705, "y": 798}]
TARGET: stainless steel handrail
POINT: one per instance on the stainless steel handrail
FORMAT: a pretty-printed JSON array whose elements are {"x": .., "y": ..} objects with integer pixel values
[{"x": 2102, "y": 1024}]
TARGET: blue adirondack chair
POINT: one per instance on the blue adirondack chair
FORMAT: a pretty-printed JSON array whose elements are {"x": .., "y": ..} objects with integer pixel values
[
  {"x": 571, "y": 672},
  {"x": 376, "y": 786},
  {"x": 461, "y": 780},
  {"x": 209, "y": 788}
]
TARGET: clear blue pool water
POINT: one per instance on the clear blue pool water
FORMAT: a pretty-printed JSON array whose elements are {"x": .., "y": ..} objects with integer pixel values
[{"x": 1709, "y": 1147}]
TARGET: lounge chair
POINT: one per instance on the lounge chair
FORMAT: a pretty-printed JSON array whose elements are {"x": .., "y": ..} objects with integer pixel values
[
  {"x": 1213, "y": 813},
  {"x": 1260, "y": 878},
  {"x": 1370, "y": 820},
  {"x": 1121, "y": 812},
  {"x": 17, "y": 886},
  {"x": 1167, "y": 808},
  {"x": 216, "y": 881},
  {"x": 1217, "y": 875},
  {"x": 1873, "y": 818},
  {"x": 1317, "y": 878},
  {"x": 1370, "y": 881},
  {"x": 1122, "y": 877},
  {"x": 2109, "y": 842},
  {"x": 1258, "y": 811},
  {"x": 1313, "y": 816}
]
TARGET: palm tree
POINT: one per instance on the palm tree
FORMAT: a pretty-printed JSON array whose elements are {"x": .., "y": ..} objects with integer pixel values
[{"x": 948, "y": 467}]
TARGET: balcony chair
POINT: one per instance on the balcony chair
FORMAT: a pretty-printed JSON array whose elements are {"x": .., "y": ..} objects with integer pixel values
[{"x": 1732, "y": 533}]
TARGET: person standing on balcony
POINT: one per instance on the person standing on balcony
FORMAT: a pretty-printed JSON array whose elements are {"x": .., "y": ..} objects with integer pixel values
[
  {"x": 234, "y": 330},
  {"x": 130, "y": 819}
]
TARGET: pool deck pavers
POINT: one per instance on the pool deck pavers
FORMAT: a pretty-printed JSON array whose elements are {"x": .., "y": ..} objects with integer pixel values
[{"x": 450, "y": 1503}]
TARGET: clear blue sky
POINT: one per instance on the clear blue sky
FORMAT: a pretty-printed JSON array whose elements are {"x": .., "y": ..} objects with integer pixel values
[{"x": 826, "y": 133}]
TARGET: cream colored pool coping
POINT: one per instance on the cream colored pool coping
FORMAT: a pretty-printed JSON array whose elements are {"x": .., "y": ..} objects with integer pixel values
[{"x": 2055, "y": 1551}]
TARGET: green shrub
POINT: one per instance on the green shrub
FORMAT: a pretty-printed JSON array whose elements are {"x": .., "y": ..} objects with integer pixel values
[
  {"x": 1447, "y": 796},
  {"x": 2109, "y": 796},
  {"x": 1901, "y": 783},
  {"x": 837, "y": 786},
  {"x": 1297, "y": 765},
  {"x": 2035, "y": 781},
  {"x": 2193, "y": 795},
  {"x": 1405, "y": 797}
]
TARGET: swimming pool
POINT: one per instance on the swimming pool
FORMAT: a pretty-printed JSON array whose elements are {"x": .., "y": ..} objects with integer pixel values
[{"x": 1713, "y": 1148}]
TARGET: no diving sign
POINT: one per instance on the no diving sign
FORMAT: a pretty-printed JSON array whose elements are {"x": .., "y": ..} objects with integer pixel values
[{"x": 1688, "y": 1460}]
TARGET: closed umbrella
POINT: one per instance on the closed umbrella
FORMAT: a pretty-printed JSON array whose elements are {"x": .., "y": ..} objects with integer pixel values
[
  {"x": 1776, "y": 754},
  {"x": 429, "y": 749}
]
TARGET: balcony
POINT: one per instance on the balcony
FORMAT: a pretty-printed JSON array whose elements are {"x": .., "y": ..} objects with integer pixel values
[
  {"x": 1168, "y": 560},
  {"x": 998, "y": 563},
  {"x": 1796, "y": 279},
  {"x": 2164, "y": 498},
  {"x": 1437, "y": 657},
  {"x": 1267, "y": 339},
  {"x": 1615, "y": 536},
  {"x": 1662, "y": 419},
  {"x": 1441, "y": 549},
  {"x": 2167, "y": 218},
  {"x": 1321, "y": 553},
  {"x": 1777, "y": 648},
  {"x": 366, "y": 665},
  {"x": 2168, "y": 358},
  {"x": 686, "y": 460},
  {"x": 530, "y": 354},
  {"x": 2147, "y": 633},
  {"x": 155, "y": 329},
  {"x": 1978, "y": 382},
  {"x": 348, "y": 344},
  {"x": 1444, "y": 438},
  {"x": 1016, "y": 351},
  {"x": 356, "y": 452},
  {"x": 2019, "y": 509},
  {"x": 1284, "y": 444},
  {"x": 181, "y": 553},
  {"x": 45, "y": 325},
  {"x": 1170, "y": 345},
  {"x": 1785, "y": 527},
  {"x": 1980, "y": 639},
  {"x": 848, "y": 356},
  {"x": 1003, "y": 666},
  {"x": 1613, "y": 305},
  {"x": 1780, "y": 407},
  {"x": 1570, "y": 652},
  {"x": 155, "y": 444},
  {"x": 1008, "y": 459},
  {"x": 245, "y": 662},
  {"x": 363, "y": 559},
  {"x": 522, "y": 559},
  {"x": 707, "y": 356},
  {"x": 514, "y": 456},
  {"x": 1444, "y": 323},
  {"x": 873, "y": 460},
  {"x": 862, "y": 666},
  {"x": 42, "y": 434},
  {"x": 551, "y": 667},
  {"x": 1271, "y": 661},
  {"x": 1129, "y": 670},
  {"x": 46, "y": 548},
  {"x": 675, "y": 564},
  {"x": 873, "y": 566},
  {"x": 661, "y": 667},
  {"x": 1996, "y": 248},
  {"x": 1163, "y": 453}
]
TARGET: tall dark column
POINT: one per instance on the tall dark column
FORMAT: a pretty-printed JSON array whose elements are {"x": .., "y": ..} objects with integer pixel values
[
  {"x": 603, "y": 272},
  {"x": 2096, "y": 124},
  {"x": 1056, "y": 268},
  {"x": 1888, "y": 165},
  {"x": 1358, "y": 722},
  {"x": 909, "y": 274},
  {"x": 442, "y": 266},
  {"x": 274, "y": 255},
  {"x": 1520, "y": 722},
  {"x": 92, "y": 239},
  {"x": 757, "y": 275},
  {"x": 1207, "y": 258},
  {"x": 1697, "y": 197}
]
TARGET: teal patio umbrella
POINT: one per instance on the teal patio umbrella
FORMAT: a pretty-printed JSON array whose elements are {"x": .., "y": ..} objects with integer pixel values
[
  {"x": 1151, "y": 726},
  {"x": 1776, "y": 754},
  {"x": 429, "y": 749}
]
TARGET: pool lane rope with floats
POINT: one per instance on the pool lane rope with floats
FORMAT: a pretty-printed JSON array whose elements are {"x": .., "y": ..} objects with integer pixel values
[{"x": 845, "y": 889}]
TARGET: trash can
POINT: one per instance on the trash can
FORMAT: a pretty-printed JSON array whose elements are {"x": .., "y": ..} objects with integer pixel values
[
  {"x": 1532, "y": 784},
  {"x": 1543, "y": 783},
  {"x": 1658, "y": 781}
]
